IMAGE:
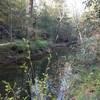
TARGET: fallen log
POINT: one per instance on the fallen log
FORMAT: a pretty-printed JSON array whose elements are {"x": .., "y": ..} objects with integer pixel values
[{"x": 9, "y": 56}]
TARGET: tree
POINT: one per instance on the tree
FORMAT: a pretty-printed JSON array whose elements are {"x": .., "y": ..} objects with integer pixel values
[
  {"x": 91, "y": 18},
  {"x": 14, "y": 16},
  {"x": 53, "y": 20}
]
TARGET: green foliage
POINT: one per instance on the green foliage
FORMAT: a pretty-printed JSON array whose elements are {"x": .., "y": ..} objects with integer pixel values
[
  {"x": 32, "y": 45},
  {"x": 40, "y": 43},
  {"x": 9, "y": 90},
  {"x": 89, "y": 88},
  {"x": 8, "y": 87},
  {"x": 24, "y": 67},
  {"x": 86, "y": 53},
  {"x": 91, "y": 17},
  {"x": 42, "y": 85},
  {"x": 20, "y": 44},
  {"x": 52, "y": 21},
  {"x": 87, "y": 84},
  {"x": 13, "y": 16}
]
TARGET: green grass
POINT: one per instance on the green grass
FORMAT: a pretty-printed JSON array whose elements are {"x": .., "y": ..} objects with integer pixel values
[
  {"x": 40, "y": 43},
  {"x": 33, "y": 44},
  {"x": 90, "y": 88}
]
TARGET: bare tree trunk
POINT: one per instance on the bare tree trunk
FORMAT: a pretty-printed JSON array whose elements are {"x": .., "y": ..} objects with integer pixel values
[
  {"x": 11, "y": 36},
  {"x": 29, "y": 10},
  {"x": 31, "y": 7}
]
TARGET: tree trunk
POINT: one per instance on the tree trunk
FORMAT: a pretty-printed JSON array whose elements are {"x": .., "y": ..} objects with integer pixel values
[{"x": 31, "y": 7}]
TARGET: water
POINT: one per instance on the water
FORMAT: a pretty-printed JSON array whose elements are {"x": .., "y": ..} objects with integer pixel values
[{"x": 62, "y": 86}]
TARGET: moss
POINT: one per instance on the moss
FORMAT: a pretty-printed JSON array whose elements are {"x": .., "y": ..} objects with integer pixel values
[{"x": 40, "y": 43}]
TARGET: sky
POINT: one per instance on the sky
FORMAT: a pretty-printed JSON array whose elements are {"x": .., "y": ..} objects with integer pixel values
[{"x": 75, "y": 6}]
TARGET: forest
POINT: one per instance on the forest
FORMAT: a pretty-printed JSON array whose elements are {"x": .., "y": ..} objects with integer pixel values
[{"x": 49, "y": 49}]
